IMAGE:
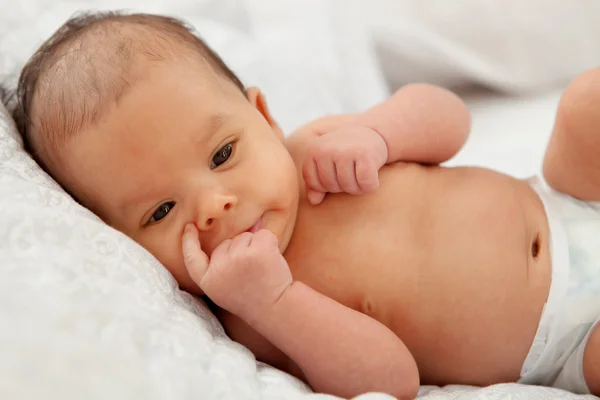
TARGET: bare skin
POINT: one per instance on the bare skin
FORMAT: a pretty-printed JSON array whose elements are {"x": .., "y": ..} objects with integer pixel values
[
  {"x": 417, "y": 268},
  {"x": 423, "y": 275}
]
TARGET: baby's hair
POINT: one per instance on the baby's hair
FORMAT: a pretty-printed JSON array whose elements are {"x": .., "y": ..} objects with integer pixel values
[{"x": 86, "y": 65}]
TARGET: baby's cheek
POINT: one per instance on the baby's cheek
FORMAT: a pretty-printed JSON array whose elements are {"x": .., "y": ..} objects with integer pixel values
[{"x": 170, "y": 254}]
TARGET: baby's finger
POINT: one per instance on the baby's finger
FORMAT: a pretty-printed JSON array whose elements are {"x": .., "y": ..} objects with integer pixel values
[
  {"x": 266, "y": 237},
  {"x": 221, "y": 251},
  {"x": 328, "y": 175},
  {"x": 195, "y": 260},
  {"x": 346, "y": 176},
  {"x": 241, "y": 242},
  {"x": 367, "y": 175},
  {"x": 311, "y": 176},
  {"x": 315, "y": 197}
]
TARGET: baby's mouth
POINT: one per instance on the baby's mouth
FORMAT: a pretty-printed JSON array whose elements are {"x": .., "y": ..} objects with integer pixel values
[{"x": 258, "y": 225}]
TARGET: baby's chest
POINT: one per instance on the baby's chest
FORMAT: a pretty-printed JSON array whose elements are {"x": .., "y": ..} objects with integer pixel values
[{"x": 352, "y": 249}]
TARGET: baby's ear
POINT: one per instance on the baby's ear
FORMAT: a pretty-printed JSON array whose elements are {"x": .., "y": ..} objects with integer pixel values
[{"x": 257, "y": 99}]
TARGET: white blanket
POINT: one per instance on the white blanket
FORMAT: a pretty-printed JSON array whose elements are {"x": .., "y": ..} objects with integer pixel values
[{"x": 87, "y": 313}]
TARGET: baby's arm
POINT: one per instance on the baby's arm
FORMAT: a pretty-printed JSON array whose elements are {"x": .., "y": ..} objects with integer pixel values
[
  {"x": 338, "y": 350},
  {"x": 335, "y": 349},
  {"x": 420, "y": 123},
  {"x": 572, "y": 161}
]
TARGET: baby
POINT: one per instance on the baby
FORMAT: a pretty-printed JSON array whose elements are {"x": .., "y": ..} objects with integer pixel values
[{"x": 342, "y": 253}]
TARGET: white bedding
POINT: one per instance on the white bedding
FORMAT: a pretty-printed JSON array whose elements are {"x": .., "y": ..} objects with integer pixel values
[{"x": 86, "y": 313}]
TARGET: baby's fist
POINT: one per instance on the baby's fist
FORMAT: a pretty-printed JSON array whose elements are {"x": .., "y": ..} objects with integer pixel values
[
  {"x": 347, "y": 160},
  {"x": 246, "y": 275}
]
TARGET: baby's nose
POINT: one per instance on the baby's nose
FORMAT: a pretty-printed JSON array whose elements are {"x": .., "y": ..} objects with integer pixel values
[{"x": 214, "y": 209}]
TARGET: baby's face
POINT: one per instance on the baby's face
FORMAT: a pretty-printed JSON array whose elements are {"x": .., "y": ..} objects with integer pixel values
[{"x": 184, "y": 146}]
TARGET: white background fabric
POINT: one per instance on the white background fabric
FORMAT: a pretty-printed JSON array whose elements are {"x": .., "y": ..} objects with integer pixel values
[
  {"x": 513, "y": 46},
  {"x": 87, "y": 313}
]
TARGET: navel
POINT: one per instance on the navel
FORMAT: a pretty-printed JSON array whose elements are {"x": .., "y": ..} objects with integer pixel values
[{"x": 535, "y": 246}]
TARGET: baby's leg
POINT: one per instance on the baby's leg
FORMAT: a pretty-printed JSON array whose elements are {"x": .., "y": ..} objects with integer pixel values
[
  {"x": 591, "y": 362},
  {"x": 580, "y": 372},
  {"x": 572, "y": 161}
]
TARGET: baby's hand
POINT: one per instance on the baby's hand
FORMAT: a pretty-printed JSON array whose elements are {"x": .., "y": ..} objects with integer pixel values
[
  {"x": 346, "y": 160},
  {"x": 245, "y": 275}
]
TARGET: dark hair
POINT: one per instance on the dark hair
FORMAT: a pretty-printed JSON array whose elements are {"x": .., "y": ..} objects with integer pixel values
[
  {"x": 5, "y": 94},
  {"x": 62, "y": 80}
]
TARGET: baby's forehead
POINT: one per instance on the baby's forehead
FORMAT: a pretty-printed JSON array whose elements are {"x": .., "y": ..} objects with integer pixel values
[{"x": 90, "y": 72}]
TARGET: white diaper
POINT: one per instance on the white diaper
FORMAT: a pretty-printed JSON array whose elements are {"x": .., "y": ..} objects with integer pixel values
[{"x": 573, "y": 305}]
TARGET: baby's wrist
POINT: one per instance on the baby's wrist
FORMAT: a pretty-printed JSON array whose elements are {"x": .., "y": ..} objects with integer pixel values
[
  {"x": 263, "y": 308},
  {"x": 261, "y": 316},
  {"x": 381, "y": 145}
]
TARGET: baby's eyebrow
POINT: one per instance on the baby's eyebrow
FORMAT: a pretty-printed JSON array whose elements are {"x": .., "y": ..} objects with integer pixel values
[
  {"x": 216, "y": 121},
  {"x": 208, "y": 128}
]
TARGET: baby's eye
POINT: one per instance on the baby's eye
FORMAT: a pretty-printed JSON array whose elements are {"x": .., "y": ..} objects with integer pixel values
[
  {"x": 222, "y": 155},
  {"x": 161, "y": 211}
]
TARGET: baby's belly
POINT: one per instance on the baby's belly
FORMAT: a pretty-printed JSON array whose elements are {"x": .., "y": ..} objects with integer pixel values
[{"x": 443, "y": 257}]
